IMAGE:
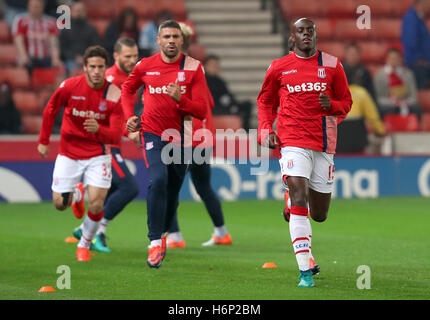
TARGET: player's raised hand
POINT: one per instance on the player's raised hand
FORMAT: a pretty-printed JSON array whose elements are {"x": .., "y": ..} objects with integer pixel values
[
  {"x": 91, "y": 125},
  {"x": 324, "y": 100},
  {"x": 132, "y": 124},
  {"x": 174, "y": 91},
  {"x": 43, "y": 149}
]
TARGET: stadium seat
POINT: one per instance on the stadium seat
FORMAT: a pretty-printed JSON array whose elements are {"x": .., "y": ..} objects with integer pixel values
[
  {"x": 101, "y": 8},
  {"x": 42, "y": 77},
  {"x": 17, "y": 77},
  {"x": 347, "y": 29},
  {"x": 400, "y": 7},
  {"x": 373, "y": 51},
  {"x": 26, "y": 102},
  {"x": 338, "y": 8},
  {"x": 31, "y": 123},
  {"x": 386, "y": 29},
  {"x": 176, "y": 7},
  {"x": 227, "y": 122},
  {"x": 300, "y": 8},
  {"x": 101, "y": 25},
  {"x": 144, "y": 9},
  {"x": 425, "y": 122},
  {"x": 8, "y": 54},
  {"x": 197, "y": 51},
  {"x": 335, "y": 48},
  {"x": 43, "y": 97},
  {"x": 383, "y": 8},
  {"x": 399, "y": 123},
  {"x": 325, "y": 28},
  {"x": 424, "y": 100},
  {"x": 4, "y": 32}
]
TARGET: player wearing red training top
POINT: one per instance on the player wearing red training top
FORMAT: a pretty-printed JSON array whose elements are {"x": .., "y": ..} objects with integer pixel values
[
  {"x": 124, "y": 187},
  {"x": 203, "y": 140},
  {"x": 312, "y": 93},
  {"x": 92, "y": 118},
  {"x": 175, "y": 88}
]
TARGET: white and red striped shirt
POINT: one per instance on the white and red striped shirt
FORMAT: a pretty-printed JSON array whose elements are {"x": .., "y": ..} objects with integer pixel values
[{"x": 36, "y": 34}]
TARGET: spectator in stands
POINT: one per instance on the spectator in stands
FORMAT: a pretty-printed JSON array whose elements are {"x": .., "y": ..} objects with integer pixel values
[
  {"x": 416, "y": 42},
  {"x": 75, "y": 40},
  {"x": 352, "y": 134},
  {"x": 225, "y": 102},
  {"x": 126, "y": 26},
  {"x": 10, "y": 117},
  {"x": 36, "y": 38},
  {"x": 395, "y": 86},
  {"x": 355, "y": 71},
  {"x": 149, "y": 33}
]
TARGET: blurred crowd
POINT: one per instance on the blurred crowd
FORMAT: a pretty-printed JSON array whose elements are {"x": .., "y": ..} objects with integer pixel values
[{"x": 392, "y": 90}]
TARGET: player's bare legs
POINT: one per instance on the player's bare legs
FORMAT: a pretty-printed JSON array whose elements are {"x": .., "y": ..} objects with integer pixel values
[
  {"x": 62, "y": 200},
  {"x": 319, "y": 204}
]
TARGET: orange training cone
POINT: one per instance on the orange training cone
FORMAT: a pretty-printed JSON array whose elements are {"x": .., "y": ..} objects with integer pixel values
[
  {"x": 71, "y": 240},
  {"x": 269, "y": 265},
  {"x": 47, "y": 289}
]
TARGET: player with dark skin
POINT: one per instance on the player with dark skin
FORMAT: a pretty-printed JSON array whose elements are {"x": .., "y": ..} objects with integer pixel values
[{"x": 303, "y": 35}]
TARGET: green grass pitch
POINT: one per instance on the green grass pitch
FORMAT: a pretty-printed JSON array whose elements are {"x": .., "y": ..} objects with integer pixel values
[{"x": 389, "y": 235}]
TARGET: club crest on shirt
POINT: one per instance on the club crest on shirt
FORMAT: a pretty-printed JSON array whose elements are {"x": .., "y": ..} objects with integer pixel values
[
  {"x": 290, "y": 164},
  {"x": 181, "y": 76},
  {"x": 110, "y": 78},
  {"x": 149, "y": 145},
  {"x": 103, "y": 105},
  {"x": 321, "y": 73}
]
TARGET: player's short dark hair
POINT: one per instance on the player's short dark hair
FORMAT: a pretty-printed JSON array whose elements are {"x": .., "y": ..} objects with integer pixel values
[
  {"x": 96, "y": 51},
  {"x": 211, "y": 57},
  {"x": 170, "y": 24},
  {"x": 353, "y": 45},
  {"x": 127, "y": 42},
  {"x": 394, "y": 49}
]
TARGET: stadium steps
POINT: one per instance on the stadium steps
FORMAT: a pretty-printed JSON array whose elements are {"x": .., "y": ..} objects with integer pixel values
[{"x": 240, "y": 33}]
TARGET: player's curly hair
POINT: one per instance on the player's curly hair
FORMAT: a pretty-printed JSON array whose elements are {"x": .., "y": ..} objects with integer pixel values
[{"x": 96, "y": 51}]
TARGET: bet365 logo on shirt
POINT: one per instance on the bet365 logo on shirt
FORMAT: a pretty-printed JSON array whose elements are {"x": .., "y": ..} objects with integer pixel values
[
  {"x": 163, "y": 89},
  {"x": 309, "y": 86}
]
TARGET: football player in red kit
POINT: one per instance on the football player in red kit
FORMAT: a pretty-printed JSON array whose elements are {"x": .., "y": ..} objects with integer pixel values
[
  {"x": 124, "y": 187},
  {"x": 175, "y": 88},
  {"x": 92, "y": 118},
  {"x": 312, "y": 93}
]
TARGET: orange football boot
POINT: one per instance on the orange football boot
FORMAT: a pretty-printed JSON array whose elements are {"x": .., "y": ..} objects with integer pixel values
[
  {"x": 175, "y": 244},
  {"x": 154, "y": 257},
  {"x": 79, "y": 207},
  {"x": 83, "y": 254}
]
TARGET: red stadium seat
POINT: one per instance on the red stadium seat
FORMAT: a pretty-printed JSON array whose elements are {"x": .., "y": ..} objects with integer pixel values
[
  {"x": 8, "y": 54},
  {"x": 42, "y": 77},
  {"x": 347, "y": 29},
  {"x": 384, "y": 8},
  {"x": 386, "y": 29},
  {"x": 300, "y": 8},
  {"x": 101, "y": 25},
  {"x": 373, "y": 51},
  {"x": 425, "y": 122},
  {"x": 4, "y": 32},
  {"x": 176, "y": 7},
  {"x": 17, "y": 77},
  {"x": 227, "y": 122},
  {"x": 144, "y": 9},
  {"x": 400, "y": 7},
  {"x": 424, "y": 99},
  {"x": 335, "y": 48},
  {"x": 325, "y": 28},
  {"x": 338, "y": 8},
  {"x": 101, "y": 8},
  {"x": 399, "y": 123},
  {"x": 31, "y": 123},
  {"x": 26, "y": 102},
  {"x": 197, "y": 51}
]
